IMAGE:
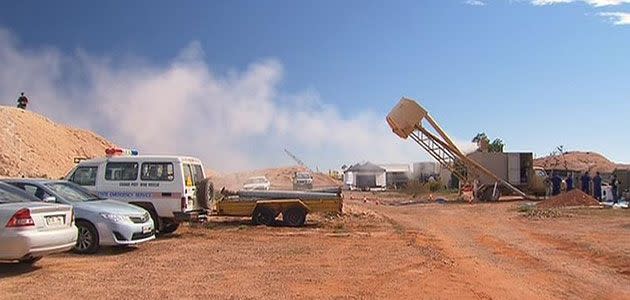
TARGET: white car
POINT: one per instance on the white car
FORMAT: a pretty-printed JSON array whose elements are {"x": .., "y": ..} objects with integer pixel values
[
  {"x": 30, "y": 230},
  {"x": 101, "y": 222},
  {"x": 257, "y": 183}
]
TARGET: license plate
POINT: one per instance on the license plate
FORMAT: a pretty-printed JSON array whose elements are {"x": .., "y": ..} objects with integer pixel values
[
  {"x": 56, "y": 220},
  {"x": 146, "y": 229}
]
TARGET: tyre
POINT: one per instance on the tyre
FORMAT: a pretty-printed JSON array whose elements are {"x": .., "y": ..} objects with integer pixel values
[
  {"x": 169, "y": 226},
  {"x": 204, "y": 193},
  {"x": 490, "y": 195},
  {"x": 263, "y": 216},
  {"x": 157, "y": 223},
  {"x": 30, "y": 261},
  {"x": 294, "y": 217},
  {"x": 87, "y": 241}
]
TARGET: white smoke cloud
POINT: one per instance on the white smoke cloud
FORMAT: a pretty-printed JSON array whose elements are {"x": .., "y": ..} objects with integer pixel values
[{"x": 235, "y": 121}]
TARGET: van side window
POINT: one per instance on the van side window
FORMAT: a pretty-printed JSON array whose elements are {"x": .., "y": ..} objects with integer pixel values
[
  {"x": 157, "y": 171},
  {"x": 84, "y": 176},
  {"x": 122, "y": 171}
]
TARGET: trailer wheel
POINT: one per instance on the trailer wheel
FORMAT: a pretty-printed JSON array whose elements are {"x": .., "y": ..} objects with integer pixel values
[
  {"x": 294, "y": 217},
  {"x": 204, "y": 193},
  {"x": 263, "y": 216}
]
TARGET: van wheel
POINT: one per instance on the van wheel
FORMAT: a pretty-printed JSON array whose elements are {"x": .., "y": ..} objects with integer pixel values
[
  {"x": 263, "y": 216},
  {"x": 169, "y": 227},
  {"x": 87, "y": 241},
  {"x": 204, "y": 193},
  {"x": 294, "y": 217}
]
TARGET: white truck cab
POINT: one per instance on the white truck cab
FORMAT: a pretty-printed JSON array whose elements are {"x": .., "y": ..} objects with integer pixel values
[{"x": 166, "y": 186}]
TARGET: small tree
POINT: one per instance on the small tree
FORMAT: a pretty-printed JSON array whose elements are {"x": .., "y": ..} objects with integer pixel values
[
  {"x": 480, "y": 137},
  {"x": 484, "y": 144},
  {"x": 496, "y": 146}
]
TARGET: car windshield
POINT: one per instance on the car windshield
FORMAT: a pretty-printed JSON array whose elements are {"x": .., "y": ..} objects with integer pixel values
[
  {"x": 71, "y": 192},
  {"x": 7, "y": 196},
  {"x": 303, "y": 175}
]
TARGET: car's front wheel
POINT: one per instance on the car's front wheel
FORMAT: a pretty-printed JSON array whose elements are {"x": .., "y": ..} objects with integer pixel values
[{"x": 87, "y": 241}]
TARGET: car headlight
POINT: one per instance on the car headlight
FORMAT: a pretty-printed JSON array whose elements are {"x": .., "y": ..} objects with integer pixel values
[{"x": 116, "y": 218}]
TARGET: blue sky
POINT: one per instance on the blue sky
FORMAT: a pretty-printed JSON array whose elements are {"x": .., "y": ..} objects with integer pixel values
[{"x": 536, "y": 76}]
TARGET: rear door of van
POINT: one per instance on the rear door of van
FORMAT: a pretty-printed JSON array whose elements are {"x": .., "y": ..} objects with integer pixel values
[{"x": 193, "y": 173}]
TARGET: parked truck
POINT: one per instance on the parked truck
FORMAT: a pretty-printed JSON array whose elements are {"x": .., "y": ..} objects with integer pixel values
[{"x": 302, "y": 181}]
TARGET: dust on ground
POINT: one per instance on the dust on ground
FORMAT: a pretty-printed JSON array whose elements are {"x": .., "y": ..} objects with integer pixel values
[
  {"x": 453, "y": 250},
  {"x": 573, "y": 197}
]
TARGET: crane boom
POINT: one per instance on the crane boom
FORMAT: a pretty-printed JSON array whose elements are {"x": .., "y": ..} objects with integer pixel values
[
  {"x": 406, "y": 120},
  {"x": 297, "y": 160}
]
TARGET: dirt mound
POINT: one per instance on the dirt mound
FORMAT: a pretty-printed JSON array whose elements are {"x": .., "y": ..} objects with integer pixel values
[
  {"x": 34, "y": 146},
  {"x": 579, "y": 161},
  {"x": 280, "y": 178},
  {"x": 572, "y": 198}
]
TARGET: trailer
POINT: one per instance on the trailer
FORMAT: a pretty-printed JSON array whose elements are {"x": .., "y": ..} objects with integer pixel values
[{"x": 263, "y": 207}]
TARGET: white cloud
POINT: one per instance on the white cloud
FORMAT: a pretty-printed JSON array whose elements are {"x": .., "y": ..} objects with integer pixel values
[
  {"x": 475, "y": 2},
  {"x": 617, "y": 18},
  {"x": 234, "y": 121},
  {"x": 596, "y": 3}
]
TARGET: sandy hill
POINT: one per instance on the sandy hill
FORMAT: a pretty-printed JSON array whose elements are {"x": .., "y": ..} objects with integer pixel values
[
  {"x": 580, "y": 161},
  {"x": 280, "y": 178},
  {"x": 34, "y": 146}
]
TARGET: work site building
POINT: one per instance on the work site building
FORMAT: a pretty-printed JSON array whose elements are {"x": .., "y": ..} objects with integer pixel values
[
  {"x": 396, "y": 175},
  {"x": 365, "y": 176}
]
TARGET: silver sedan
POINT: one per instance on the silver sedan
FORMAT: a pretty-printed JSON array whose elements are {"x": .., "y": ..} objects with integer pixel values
[
  {"x": 30, "y": 230},
  {"x": 101, "y": 222}
]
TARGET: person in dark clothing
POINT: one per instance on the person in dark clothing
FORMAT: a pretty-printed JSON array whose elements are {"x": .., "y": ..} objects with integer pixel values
[
  {"x": 22, "y": 101},
  {"x": 597, "y": 187},
  {"x": 569, "y": 181},
  {"x": 614, "y": 185},
  {"x": 586, "y": 183},
  {"x": 556, "y": 181}
]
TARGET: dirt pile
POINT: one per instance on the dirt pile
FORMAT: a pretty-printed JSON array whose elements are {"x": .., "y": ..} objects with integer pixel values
[
  {"x": 280, "y": 178},
  {"x": 579, "y": 161},
  {"x": 34, "y": 146},
  {"x": 572, "y": 198}
]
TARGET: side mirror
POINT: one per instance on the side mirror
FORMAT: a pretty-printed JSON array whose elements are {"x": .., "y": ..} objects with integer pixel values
[{"x": 50, "y": 199}]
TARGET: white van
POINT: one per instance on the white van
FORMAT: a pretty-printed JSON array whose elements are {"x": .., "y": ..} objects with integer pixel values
[{"x": 171, "y": 188}]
